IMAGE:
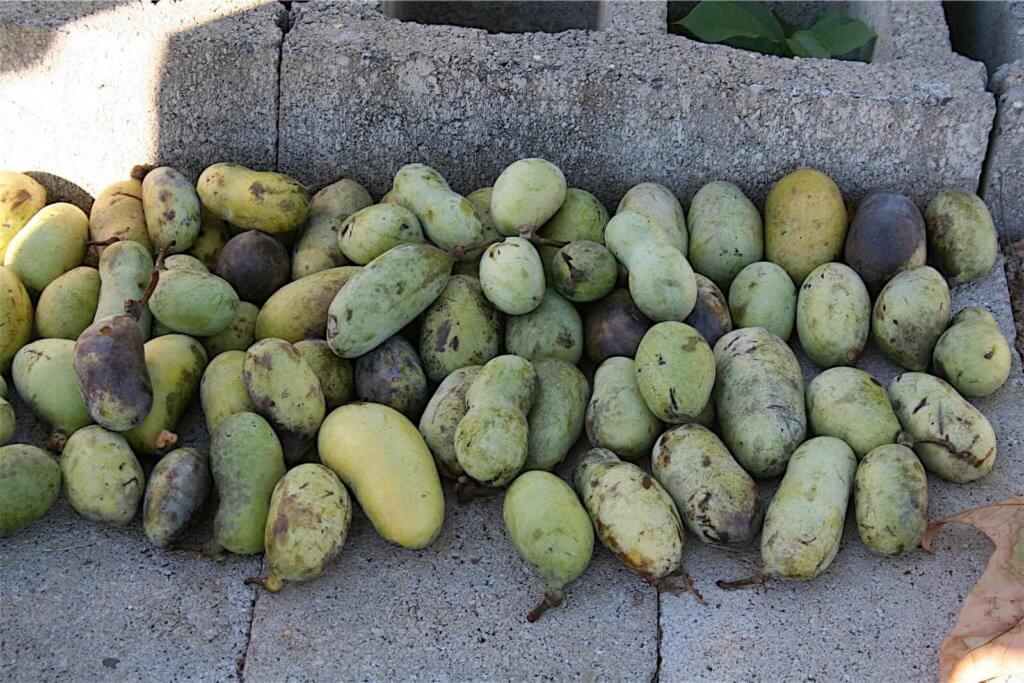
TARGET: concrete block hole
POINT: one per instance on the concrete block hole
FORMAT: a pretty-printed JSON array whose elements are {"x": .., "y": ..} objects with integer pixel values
[
  {"x": 503, "y": 17},
  {"x": 798, "y": 13},
  {"x": 990, "y": 32}
]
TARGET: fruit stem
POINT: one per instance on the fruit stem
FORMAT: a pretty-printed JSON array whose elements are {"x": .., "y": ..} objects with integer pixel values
[
  {"x": 271, "y": 582},
  {"x": 460, "y": 251},
  {"x": 139, "y": 171},
  {"x": 56, "y": 442},
  {"x": 466, "y": 490},
  {"x": 528, "y": 232},
  {"x": 547, "y": 242},
  {"x": 758, "y": 579},
  {"x": 676, "y": 584},
  {"x": 525, "y": 231},
  {"x": 133, "y": 307},
  {"x": 164, "y": 439},
  {"x": 550, "y": 600}
]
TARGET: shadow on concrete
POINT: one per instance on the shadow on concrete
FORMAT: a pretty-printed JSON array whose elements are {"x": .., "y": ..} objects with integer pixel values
[
  {"x": 548, "y": 16},
  {"x": 57, "y": 14},
  {"x": 60, "y": 189},
  {"x": 983, "y": 31},
  {"x": 217, "y": 99}
]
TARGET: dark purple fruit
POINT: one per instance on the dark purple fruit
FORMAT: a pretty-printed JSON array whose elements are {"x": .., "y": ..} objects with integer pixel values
[
  {"x": 613, "y": 326},
  {"x": 887, "y": 236},
  {"x": 110, "y": 362},
  {"x": 255, "y": 264},
  {"x": 710, "y": 314},
  {"x": 392, "y": 375}
]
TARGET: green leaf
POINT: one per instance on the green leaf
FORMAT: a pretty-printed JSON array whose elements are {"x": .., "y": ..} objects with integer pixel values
[
  {"x": 840, "y": 34},
  {"x": 806, "y": 44},
  {"x": 762, "y": 45},
  {"x": 788, "y": 28},
  {"x": 721, "y": 21}
]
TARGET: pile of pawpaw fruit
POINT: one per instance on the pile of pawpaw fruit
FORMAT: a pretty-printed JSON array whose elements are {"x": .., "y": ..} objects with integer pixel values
[{"x": 341, "y": 347}]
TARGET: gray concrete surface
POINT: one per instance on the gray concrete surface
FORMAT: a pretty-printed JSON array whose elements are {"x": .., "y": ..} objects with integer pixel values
[
  {"x": 455, "y": 611},
  {"x": 363, "y": 93},
  {"x": 1003, "y": 181},
  {"x": 87, "y": 90}
]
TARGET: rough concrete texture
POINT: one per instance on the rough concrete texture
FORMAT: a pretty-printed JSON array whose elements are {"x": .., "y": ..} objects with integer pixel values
[
  {"x": 86, "y": 601},
  {"x": 362, "y": 93},
  {"x": 987, "y": 31},
  {"x": 455, "y": 611},
  {"x": 87, "y": 90},
  {"x": 866, "y": 617},
  {"x": 993, "y": 32},
  {"x": 1003, "y": 181}
]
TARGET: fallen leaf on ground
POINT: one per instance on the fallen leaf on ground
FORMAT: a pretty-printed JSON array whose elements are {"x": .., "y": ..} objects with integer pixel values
[{"x": 988, "y": 638}]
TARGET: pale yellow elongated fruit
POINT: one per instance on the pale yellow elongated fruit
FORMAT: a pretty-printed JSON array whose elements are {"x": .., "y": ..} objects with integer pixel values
[
  {"x": 50, "y": 244},
  {"x": 380, "y": 455},
  {"x": 254, "y": 200},
  {"x": 20, "y": 197},
  {"x": 526, "y": 194}
]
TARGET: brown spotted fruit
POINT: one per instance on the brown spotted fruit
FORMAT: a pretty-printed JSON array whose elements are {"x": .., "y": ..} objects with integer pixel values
[
  {"x": 307, "y": 524},
  {"x": 175, "y": 494},
  {"x": 253, "y": 200},
  {"x": 285, "y": 390},
  {"x": 633, "y": 515},
  {"x": 110, "y": 361},
  {"x": 718, "y": 500}
]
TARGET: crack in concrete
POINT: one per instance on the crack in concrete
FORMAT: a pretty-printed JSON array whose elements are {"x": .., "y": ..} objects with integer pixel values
[
  {"x": 241, "y": 660},
  {"x": 285, "y": 24},
  {"x": 657, "y": 639}
]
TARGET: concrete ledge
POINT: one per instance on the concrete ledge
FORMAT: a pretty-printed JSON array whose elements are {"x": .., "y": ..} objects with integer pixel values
[
  {"x": 363, "y": 93},
  {"x": 89, "y": 89}
]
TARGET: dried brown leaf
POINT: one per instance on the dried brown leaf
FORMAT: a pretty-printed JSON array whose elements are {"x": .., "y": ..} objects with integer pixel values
[{"x": 988, "y": 637}]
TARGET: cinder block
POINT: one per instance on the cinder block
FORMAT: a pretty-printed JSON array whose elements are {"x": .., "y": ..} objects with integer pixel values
[
  {"x": 363, "y": 92},
  {"x": 994, "y": 33},
  {"x": 87, "y": 90}
]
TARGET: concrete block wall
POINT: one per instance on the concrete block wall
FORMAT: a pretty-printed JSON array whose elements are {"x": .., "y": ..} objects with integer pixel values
[
  {"x": 994, "y": 33},
  {"x": 363, "y": 91},
  {"x": 326, "y": 89},
  {"x": 88, "y": 89}
]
